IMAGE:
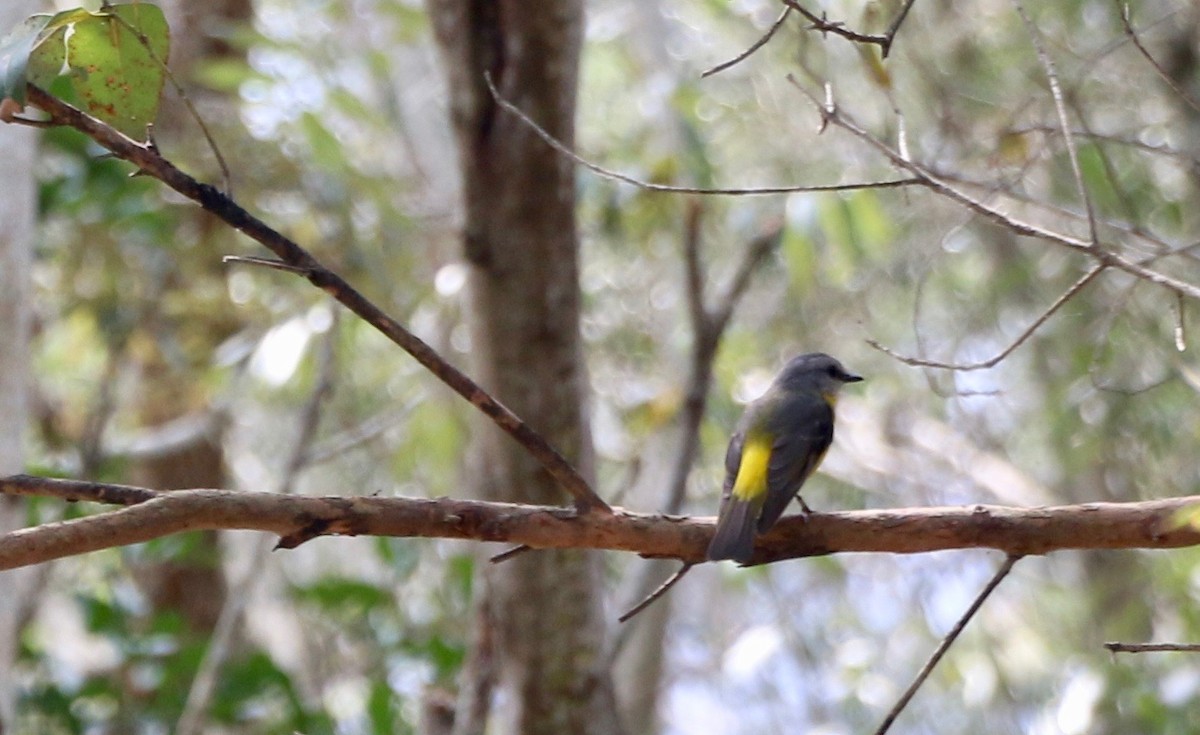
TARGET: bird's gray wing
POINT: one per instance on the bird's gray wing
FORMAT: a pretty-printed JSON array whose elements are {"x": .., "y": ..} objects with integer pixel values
[{"x": 803, "y": 431}]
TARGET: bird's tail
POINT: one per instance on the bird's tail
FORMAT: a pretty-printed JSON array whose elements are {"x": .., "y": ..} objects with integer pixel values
[{"x": 734, "y": 538}]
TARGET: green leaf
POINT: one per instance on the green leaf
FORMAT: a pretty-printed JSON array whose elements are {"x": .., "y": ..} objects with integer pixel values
[
  {"x": 381, "y": 707},
  {"x": 115, "y": 60},
  {"x": 15, "y": 49},
  {"x": 347, "y": 595}
]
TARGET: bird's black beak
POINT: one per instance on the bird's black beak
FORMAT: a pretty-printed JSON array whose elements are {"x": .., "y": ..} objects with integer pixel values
[{"x": 851, "y": 378}]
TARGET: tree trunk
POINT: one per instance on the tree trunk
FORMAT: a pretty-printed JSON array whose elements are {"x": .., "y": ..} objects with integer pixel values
[
  {"x": 542, "y": 613},
  {"x": 18, "y": 209}
]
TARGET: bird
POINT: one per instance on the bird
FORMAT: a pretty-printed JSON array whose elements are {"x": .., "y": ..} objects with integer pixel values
[{"x": 779, "y": 441}]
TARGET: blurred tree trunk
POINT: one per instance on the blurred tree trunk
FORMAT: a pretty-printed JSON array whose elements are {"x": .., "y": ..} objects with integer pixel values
[
  {"x": 540, "y": 633},
  {"x": 193, "y": 586},
  {"x": 18, "y": 209}
]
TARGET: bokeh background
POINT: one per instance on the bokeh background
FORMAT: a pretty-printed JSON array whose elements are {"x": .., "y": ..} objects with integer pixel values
[{"x": 155, "y": 363}]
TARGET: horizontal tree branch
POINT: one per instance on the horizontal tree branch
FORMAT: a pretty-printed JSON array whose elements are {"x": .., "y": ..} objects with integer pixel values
[{"x": 1152, "y": 524}]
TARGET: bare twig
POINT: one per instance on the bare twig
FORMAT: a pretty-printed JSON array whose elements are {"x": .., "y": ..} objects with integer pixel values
[
  {"x": 1161, "y": 150},
  {"x": 1116, "y": 647},
  {"x": 355, "y": 436},
  {"x": 296, "y": 519},
  {"x": 148, "y": 159},
  {"x": 824, "y": 25},
  {"x": 661, "y": 590},
  {"x": 271, "y": 263},
  {"x": 901, "y": 703},
  {"x": 1162, "y": 73},
  {"x": 1020, "y": 340},
  {"x": 512, "y": 553},
  {"x": 894, "y": 28},
  {"x": 831, "y": 114},
  {"x": 1156, "y": 246},
  {"x": 1060, "y": 108},
  {"x": 753, "y": 47},
  {"x": 566, "y": 151}
]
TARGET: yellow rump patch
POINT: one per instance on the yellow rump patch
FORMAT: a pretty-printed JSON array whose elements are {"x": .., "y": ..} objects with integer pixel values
[{"x": 751, "y": 481}]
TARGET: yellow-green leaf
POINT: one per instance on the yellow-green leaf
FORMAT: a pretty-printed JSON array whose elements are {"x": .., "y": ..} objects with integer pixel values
[{"x": 115, "y": 59}]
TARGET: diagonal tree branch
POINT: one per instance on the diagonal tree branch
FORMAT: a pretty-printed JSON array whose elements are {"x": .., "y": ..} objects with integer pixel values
[
  {"x": 147, "y": 158},
  {"x": 948, "y": 641},
  {"x": 1152, "y": 524}
]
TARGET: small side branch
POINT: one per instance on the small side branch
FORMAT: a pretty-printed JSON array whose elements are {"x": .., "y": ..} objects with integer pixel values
[
  {"x": 824, "y": 25},
  {"x": 1116, "y": 647},
  {"x": 1127, "y": 21},
  {"x": 658, "y": 592},
  {"x": 1060, "y": 109},
  {"x": 948, "y": 641},
  {"x": 753, "y": 47},
  {"x": 1078, "y": 286}
]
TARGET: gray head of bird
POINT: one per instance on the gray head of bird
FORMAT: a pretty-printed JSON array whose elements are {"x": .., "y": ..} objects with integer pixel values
[{"x": 815, "y": 371}]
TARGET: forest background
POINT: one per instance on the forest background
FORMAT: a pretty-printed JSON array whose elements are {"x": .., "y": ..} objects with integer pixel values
[{"x": 153, "y": 362}]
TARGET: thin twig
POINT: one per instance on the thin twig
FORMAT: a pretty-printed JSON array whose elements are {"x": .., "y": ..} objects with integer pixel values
[
  {"x": 1160, "y": 247},
  {"x": 271, "y": 263},
  {"x": 901, "y": 703},
  {"x": 1020, "y": 340},
  {"x": 226, "y": 179},
  {"x": 1128, "y": 207},
  {"x": 753, "y": 47},
  {"x": 563, "y": 149},
  {"x": 894, "y": 28},
  {"x": 1060, "y": 108},
  {"x": 1162, "y": 150},
  {"x": 512, "y": 553},
  {"x": 367, "y": 430},
  {"x": 824, "y": 25},
  {"x": 1117, "y": 647},
  {"x": 661, "y": 590},
  {"x": 1162, "y": 73},
  {"x": 147, "y": 158}
]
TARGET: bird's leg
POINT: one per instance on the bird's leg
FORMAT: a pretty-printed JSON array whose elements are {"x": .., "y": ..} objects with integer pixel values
[{"x": 804, "y": 506}]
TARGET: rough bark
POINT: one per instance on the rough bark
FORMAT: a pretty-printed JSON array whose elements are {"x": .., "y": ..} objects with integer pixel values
[
  {"x": 543, "y": 610},
  {"x": 1148, "y": 524}
]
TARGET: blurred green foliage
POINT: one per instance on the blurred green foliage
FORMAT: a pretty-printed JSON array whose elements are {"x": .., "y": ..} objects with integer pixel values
[{"x": 334, "y": 123}]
